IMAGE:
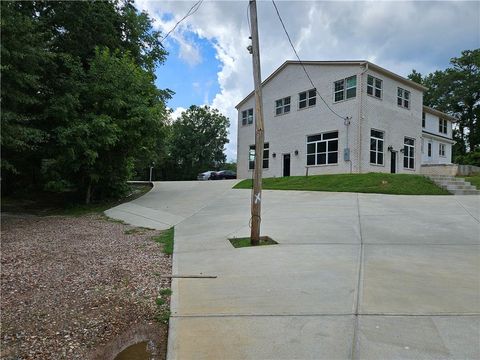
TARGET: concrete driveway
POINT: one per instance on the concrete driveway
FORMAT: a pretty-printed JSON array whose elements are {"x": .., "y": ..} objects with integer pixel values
[{"x": 355, "y": 276}]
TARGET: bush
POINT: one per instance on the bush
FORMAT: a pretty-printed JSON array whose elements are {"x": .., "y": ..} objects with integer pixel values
[{"x": 471, "y": 158}]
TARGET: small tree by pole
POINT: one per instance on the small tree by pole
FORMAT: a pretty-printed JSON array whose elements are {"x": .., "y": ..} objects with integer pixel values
[{"x": 259, "y": 132}]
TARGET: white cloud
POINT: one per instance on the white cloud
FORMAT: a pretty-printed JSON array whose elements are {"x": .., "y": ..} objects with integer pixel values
[
  {"x": 397, "y": 35},
  {"x": 177, "y": 112}
]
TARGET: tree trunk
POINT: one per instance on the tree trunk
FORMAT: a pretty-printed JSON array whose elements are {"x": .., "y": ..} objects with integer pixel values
[{"x": 89, "y": 192}]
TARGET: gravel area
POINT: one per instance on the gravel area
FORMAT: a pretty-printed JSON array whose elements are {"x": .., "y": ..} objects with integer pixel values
[{"x": 69, "y": 285}]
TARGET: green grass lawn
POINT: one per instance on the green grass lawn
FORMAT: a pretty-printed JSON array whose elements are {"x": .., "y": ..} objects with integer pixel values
[
  {"x": 380, "y": 183},
  {"x": 166, "y": 238},
  {"x": 474, "y": 180}
]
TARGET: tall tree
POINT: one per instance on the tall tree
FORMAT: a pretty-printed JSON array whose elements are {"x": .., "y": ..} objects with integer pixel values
[
  {"x": 23, "y": 58},
  {"x": 79, "y": 102},
  {"x": 197, "y": 141},
  {"x": 456, "y": 91},
  {"x": 122, "y": 118}
]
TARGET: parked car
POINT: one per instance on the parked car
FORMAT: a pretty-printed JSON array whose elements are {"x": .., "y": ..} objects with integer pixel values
[
  {"x": 207, "y": 175},
  {"x": 223, "y": 174}
]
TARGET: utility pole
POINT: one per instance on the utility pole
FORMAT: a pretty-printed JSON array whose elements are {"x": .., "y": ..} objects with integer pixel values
[{"x": 259, "y": 136}]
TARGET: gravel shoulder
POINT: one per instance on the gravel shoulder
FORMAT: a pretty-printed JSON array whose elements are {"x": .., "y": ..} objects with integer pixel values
[{"x": 70, "y": 285}]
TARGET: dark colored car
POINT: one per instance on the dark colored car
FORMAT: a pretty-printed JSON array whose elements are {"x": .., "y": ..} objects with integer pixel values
[{"x": 223, "y": 174}]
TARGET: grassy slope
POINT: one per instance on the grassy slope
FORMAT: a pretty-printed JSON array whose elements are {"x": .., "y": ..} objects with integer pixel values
[
  {"x": 474, "y": 180},
  {"x": 400, "y": 184}
]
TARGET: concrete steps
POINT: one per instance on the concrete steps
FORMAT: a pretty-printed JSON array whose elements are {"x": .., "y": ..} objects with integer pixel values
[{"x": 454, "y": 185}]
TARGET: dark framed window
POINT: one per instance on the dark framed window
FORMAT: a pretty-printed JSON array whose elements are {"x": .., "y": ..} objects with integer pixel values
[
  {"x": 251, "y": 156},
  {"x": 442, "y": 126},
  {"x": 403, "y": 98},
  {"x": 429, "y": 149},
  {"x": 322, "y": 149},
  {"x": 374, "y": 86},
  {"x": 376, "y": 147},
  {"x": 282, "y": 106},
  {"x": 247, "y": 117},
  {"x": 423, "y": 119},
  {"x": 307, "y": 99},
  {"x": 441, "y": 150},
  {"x": 409, "y": 153},
  {"x": 345, "y": 89}
]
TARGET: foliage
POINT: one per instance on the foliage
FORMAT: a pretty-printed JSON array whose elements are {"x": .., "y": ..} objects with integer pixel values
[
  {"x": 80, "y": 109},
  {"x": 196, "y": 142},
  {"x": 471, "y": 158},
  {"x": 381, "y": 183},
  {"x": 23, "y": 58},
  {"x": 229, "y": 166},
  {"x": 456, "y": 91}
]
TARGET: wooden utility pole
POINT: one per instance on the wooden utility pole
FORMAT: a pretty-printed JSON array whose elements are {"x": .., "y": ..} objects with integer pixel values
[{"x": 259, "y": 137}]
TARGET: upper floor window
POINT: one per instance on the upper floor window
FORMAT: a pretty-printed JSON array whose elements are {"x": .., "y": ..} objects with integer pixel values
[
  {"x": 374, "y": 86},
  {"x": 441, "y": 150},
  {"x": 409, "y": 153},
  {"x": 345, "y": 89},
  {"x": 403, "y": 98},
  {"x": 282, "y": 106},
  {"x": 322, "y": 149},
  {"x": 251, "y": 156},
  {"x": 247, "y": 117},
  {"x": 376, "y": 147},
  {"x": 307, "y": 99},
  {"x": 442, "y": 126},
  {"x": 423, "y": 119}
]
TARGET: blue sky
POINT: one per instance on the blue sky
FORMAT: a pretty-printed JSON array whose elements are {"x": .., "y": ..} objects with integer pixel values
[
  {"x": 194, "y": 84},
  {"x": 209, "y": 64}
]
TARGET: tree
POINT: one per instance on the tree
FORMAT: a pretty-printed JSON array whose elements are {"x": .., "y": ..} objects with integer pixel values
[
  {"x": 80, "y": 108},
  {"x": 23, "y": 58},
  {"x": 196, "y": 142},
  {"x": 122, "y": 118},
  {"x": 456, "y": 91}
]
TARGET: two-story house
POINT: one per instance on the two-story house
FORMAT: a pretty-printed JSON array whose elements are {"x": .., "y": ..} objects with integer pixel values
[
  {"x": 436, "y": 137},
  {"x": 358, "y": 118}
]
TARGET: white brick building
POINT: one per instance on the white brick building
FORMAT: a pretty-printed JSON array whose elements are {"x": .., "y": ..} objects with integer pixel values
[
  {"x": 383, "y": 134},
  {"x": 436, "y": 137}
]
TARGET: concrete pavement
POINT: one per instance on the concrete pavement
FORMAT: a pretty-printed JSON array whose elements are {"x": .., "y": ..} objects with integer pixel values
[{"x": 355, "y": 276}]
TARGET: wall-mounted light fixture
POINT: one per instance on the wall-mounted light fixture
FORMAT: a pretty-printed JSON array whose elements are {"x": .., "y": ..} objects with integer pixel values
[
  {"x": 390, "y": 148},
  {"x": 296, "y": 152},
  {"x": 274, "y": 155}
]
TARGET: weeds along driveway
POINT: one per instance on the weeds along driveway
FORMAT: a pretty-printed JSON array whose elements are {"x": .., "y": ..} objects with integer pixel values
[{"x": 354, "y": 276}]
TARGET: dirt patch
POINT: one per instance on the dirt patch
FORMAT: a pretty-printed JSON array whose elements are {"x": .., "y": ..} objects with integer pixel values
[{"x": 70, "y": 285}]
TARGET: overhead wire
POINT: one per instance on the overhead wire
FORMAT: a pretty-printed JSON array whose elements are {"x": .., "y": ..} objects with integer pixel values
[
  {"x": 190, "y": 12},
  {"x": 302, "y": 64}
]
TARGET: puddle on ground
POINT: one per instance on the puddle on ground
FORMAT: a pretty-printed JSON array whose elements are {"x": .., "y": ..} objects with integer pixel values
[{"x": 138, "y": 351}]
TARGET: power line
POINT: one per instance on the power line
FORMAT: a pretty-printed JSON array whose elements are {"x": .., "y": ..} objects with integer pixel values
[
  {"x": 301, "y": 63},
  {"x": 190, "y": 12}
]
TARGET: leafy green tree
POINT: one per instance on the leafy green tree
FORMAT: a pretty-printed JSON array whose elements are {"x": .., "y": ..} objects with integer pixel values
[
  {"x": 23, "y": 58},
  {"x": 80, "y": 108},
  {"x": 196, "y": 142},
  {"x": 122, "y": 119},
  {"x": 456, "y": 91}
]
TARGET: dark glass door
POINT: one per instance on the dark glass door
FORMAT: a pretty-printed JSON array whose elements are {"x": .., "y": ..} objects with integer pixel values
[
  {"x": 393, "y": 162},
  {"x": 286, "y": 164}
]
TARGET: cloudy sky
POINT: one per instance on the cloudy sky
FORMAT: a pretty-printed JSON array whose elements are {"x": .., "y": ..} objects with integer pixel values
[{"x": 208, "y": 62}]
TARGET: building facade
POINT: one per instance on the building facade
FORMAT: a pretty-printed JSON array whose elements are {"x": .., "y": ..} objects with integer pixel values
[
  {"x": 367, "y": 119},
  {"x": 436, "y": 137}
]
